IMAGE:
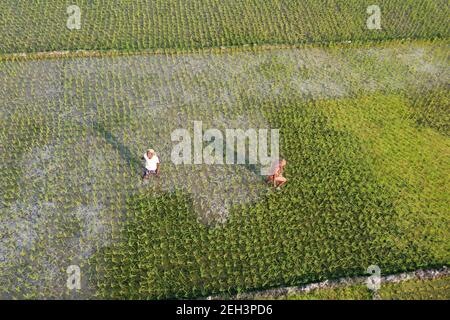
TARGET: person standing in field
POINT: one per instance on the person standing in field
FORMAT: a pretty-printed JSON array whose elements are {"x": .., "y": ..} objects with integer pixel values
[
  {"x": 151, "y": 164},
  {"x": 276, "y": 176}
]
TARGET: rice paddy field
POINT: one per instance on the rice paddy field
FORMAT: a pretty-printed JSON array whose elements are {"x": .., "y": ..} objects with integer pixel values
[
  {"x": 364, "y": 120},
  {"x": 39, "y": 25}
]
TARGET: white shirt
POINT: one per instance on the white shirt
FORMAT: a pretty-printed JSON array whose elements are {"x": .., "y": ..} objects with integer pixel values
[{"x": 151, "y": 164}]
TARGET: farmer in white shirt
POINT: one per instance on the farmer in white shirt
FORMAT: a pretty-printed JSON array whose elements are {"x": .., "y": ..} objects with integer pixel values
[{"x": 151, "y": 164}]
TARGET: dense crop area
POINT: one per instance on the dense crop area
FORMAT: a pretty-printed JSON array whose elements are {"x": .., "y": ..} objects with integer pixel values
[
  {"x": 363, "y": 127},
  {"x": 39, "y": 25}
]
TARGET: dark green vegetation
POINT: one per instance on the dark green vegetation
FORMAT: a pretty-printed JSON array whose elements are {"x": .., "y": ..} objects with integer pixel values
[
  {"x": 432, "y": 110},
  {"x": 33, "y": 26}
]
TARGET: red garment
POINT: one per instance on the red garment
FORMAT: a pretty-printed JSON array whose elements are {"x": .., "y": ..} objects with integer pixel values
[{"x": 276, "y": 171}]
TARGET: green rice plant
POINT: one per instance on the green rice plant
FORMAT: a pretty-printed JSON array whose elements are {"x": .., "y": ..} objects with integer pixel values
[{"x": 142, "y": 25}]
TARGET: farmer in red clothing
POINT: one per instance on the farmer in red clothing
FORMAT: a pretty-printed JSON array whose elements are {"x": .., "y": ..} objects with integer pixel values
[{"x": 276, "y": 176}]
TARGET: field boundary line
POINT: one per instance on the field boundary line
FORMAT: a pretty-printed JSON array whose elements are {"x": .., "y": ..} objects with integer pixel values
[
  {"x": 213, "y": 50},
  {"x": 281, "y": 292}
]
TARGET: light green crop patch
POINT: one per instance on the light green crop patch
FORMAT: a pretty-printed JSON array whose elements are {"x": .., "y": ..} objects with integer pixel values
[
  {"x": 436, "y": 289},
  {"x": 411, "y": 162}
]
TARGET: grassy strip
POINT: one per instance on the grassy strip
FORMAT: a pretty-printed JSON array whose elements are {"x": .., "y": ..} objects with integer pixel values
[
  {"x": 419, "y": 284},
  {"x": 417, "y": 289},
  {"x": 436, "y": 289},
  {"x": 253, "y": 48},
  {"x": 344, "y": 293}
]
